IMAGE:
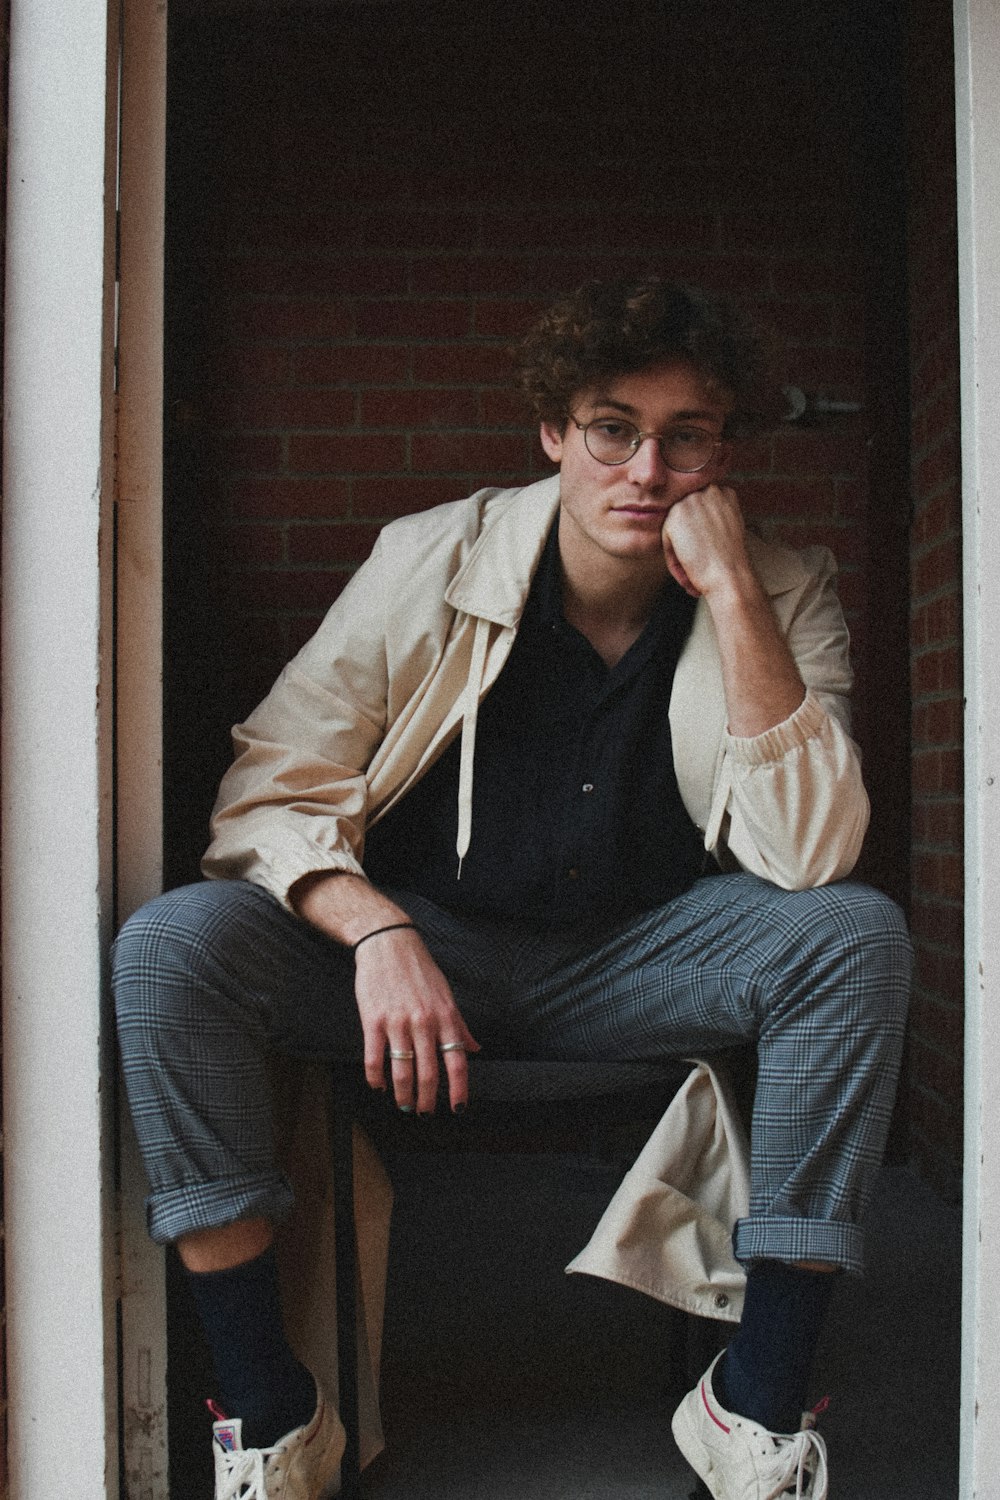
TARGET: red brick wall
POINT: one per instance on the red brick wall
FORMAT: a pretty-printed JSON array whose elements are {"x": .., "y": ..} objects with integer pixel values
[{"x": 934, "y": 1067}]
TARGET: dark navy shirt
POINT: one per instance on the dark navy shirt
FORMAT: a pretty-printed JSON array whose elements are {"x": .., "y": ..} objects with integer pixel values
[{"x": 576, "y": 813}]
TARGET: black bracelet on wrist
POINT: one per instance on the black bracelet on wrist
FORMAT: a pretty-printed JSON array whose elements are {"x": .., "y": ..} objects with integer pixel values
[{"x": 392, "y": 927}]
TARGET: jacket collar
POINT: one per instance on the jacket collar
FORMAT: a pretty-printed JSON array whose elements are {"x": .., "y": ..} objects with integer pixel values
[{"x": 493, "y": 582}]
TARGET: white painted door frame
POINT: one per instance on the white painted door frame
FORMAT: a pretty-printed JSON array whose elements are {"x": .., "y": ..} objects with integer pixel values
[
  {"x": 58, "y": 633},
  {"x": 57, "y": 562},
  {"x": 977, "y": 73}
]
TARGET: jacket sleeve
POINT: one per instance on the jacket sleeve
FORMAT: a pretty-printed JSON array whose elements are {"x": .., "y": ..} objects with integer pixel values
[
  {"x": 294, "y": 800},
  {"x": 790, "y": 805}
]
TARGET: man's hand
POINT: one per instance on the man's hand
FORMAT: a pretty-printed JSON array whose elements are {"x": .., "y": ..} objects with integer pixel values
[
  {"x": 704, "y": 543},
  {"x": 406, "y": 1005},
  {"x": 704, "y": 540},
  {"x": 404, "y": 1001}
]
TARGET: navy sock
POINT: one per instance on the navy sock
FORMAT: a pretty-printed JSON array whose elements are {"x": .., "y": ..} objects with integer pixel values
[
  {"x": 765, "y": 1371},
  {"x": 259, "y": 1377}
]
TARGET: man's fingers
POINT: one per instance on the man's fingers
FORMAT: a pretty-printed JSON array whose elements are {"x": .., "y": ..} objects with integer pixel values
[
  {"x": 415, "y": 1063},
  {"x": 427, "y": 1074},
  {"x": 402, "y": 1063},
  {"x": 678, "y": 572},
  {"x": 456, "y": 1066},
  {"x": 375, "y": 1045},
  {"x": 454, "y": 1052}
]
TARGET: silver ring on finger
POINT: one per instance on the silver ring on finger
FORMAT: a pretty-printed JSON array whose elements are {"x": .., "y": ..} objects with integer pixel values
[
  {"x": 399, "y": 1054},
  {"x": 452, "y": 1047}
]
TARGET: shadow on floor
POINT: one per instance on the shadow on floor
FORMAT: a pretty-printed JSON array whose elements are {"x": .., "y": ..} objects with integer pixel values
[{"x": 504, "y": 1379}]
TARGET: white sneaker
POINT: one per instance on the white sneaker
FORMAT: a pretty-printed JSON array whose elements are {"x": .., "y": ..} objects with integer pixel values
[
  {"x": 303, "y": 1465},
  {"x": 739, "y": 1460}
]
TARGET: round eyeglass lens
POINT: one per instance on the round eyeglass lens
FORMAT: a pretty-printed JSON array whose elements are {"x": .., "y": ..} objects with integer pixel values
[
  {"x": 687, "y": 449},
  {"x": 610, "y": 442}
]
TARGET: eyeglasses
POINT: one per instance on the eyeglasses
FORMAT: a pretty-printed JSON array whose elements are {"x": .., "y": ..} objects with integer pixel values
[{"x": 612, "y": 441}]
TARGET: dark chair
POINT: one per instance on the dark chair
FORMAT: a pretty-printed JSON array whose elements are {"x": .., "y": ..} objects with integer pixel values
[{"x": 526, "y": 1096}]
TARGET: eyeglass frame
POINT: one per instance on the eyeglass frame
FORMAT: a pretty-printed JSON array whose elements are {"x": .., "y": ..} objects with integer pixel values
[{"x": 640, "y": 437}]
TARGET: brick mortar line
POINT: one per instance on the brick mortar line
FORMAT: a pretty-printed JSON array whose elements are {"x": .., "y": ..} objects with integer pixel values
[
  {"x": 921, "y": 503},
  {"x": 934, "y": 596},
  {"x": 945, "y": 643},
  {"x": 936, "y": 1050}
]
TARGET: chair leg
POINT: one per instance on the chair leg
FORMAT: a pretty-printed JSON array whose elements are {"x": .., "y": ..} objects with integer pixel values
[{"x": 341, "y": 1124}]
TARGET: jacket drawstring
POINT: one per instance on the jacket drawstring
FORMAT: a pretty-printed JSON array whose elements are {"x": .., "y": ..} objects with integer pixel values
[
  {"x": 720, "y": 803},
  {"x": 470, "y": 714}
]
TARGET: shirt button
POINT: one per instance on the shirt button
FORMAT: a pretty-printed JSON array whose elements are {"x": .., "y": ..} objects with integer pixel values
[
  {"x": 572, "y": 873},
  {"x": 588, "y": 786}
]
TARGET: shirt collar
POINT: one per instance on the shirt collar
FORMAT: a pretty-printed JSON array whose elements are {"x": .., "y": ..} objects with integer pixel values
[{"x": 672, "y": 613}]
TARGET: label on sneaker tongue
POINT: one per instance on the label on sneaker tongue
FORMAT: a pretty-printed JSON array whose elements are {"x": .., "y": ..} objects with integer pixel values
[{"x": 225, "y": 1436}]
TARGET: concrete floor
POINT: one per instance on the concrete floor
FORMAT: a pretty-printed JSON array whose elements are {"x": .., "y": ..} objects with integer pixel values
[{"x": 504, "y": 1379}]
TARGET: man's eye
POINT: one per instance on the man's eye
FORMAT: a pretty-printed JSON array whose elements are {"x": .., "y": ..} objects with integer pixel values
[
  {"x": 688, "y": 436},
  {"x": 617, "y": 431}
]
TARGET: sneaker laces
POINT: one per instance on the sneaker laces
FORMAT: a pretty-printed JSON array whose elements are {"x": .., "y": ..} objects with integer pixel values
[
  {"x": 798, "y": 1460},
  {"x": 242, "y": 1476},
  {"x": 243, "y": 1473}
]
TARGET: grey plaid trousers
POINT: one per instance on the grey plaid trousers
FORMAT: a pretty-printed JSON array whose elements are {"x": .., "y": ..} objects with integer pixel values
[{"x": 210, "y": 977}]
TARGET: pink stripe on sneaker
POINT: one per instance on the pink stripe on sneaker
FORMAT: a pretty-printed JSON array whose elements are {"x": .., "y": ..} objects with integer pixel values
[{"x": 711, "y": 1413}]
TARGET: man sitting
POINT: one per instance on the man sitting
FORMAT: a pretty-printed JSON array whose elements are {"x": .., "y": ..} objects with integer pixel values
[{"x": 567, "y": 765}]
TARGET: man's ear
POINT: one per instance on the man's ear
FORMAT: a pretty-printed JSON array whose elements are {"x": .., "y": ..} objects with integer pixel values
[{"x": 552, "y": 441}]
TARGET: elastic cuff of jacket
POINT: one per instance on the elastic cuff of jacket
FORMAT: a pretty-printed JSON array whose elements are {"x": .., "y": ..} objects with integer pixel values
[
  {"x": 774, "y": 1237},
  {"x": 211, "y": 1205},
  {"x": 290, "y": 865},
  {"x": 797, "y": 730}
]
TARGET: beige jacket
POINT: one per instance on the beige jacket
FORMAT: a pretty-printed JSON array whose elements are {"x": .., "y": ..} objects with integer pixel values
[{"x": 417, "y": 638}]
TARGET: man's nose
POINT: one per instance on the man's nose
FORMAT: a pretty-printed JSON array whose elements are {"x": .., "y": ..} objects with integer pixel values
[{"x": 647, "y": 464}]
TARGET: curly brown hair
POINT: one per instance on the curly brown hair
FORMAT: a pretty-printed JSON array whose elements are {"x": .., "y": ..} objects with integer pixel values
[{"x": 609, "y": 328}]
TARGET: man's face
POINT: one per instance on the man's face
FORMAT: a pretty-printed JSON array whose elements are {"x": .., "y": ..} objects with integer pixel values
[{"x": 618, "y": 511}]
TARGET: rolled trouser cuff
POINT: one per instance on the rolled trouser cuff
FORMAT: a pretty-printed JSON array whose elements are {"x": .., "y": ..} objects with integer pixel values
[
  {"x": 777, "y": 1237},
  {"x": 173, "y": 1212}
]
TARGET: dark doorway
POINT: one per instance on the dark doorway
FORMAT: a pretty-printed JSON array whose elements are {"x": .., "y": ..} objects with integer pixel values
[{"x": 368, "y": 201}]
